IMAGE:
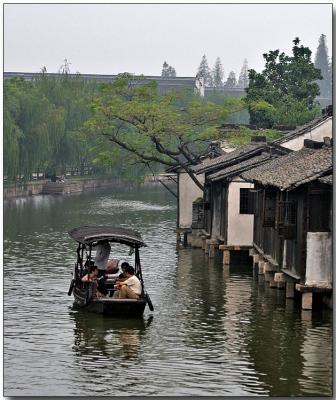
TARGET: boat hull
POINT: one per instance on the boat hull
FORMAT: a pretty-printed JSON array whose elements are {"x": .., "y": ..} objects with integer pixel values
[{"x": 128, "y": 308}]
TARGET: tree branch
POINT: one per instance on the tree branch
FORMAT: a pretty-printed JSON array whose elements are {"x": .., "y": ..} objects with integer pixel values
[{"x": 123, "y": 145}]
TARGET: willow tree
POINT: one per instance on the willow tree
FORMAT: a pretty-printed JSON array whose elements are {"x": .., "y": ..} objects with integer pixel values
[
  {"x": 173, "y": 129},
  {"x": 72, "y": 96}
]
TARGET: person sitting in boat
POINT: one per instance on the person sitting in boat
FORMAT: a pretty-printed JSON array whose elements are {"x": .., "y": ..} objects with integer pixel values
[
  {"x": 92, "y": 274},
  {"x": 130, "y": 288},
  {"x": 123, "y": 266},
  {"x": 103, "y": 250}
]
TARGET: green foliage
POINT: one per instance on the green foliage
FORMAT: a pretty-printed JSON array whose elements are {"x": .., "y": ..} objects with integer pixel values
[
  {"x": 42, "y": 121},
  {"x": 241, "y": 136},
  {"x": 156, "y": 128},
  {"x": 285, "y": 90}
]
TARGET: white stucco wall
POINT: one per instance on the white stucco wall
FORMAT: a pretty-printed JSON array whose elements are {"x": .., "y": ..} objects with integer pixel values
[
  {"x": 317, "y": 134},
  {"x": 188, "y": 192},
  {"x": 240, "y": 226},
  {"x": 319, "y": 259}
]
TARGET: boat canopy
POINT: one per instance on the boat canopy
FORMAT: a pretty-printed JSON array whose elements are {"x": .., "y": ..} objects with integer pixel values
[{"x": 95, "y": 233}]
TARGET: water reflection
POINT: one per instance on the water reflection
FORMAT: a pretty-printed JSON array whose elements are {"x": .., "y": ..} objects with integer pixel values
[
  {"x": 217, "y": 330},
  {"x": 98, "y": 336}
]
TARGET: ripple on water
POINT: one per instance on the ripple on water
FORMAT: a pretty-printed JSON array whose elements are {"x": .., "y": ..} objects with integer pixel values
[{"x": 214, "y": 332}]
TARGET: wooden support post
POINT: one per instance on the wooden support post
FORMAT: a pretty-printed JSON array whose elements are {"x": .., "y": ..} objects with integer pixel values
[
  {"x": 307, "y": 300},
  {"x": 290, "y": 290}
]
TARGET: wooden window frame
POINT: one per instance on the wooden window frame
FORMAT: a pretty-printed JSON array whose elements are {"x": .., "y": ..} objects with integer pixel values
[{"x": 246, "y": 201}]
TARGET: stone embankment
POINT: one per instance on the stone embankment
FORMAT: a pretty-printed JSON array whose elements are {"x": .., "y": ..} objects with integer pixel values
[{"x": 67, "y": 187}]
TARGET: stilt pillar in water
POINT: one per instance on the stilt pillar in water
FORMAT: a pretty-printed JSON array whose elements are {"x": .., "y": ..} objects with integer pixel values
[
  {"x": 211, "y": 250},
  {"x": 261, "y": 269},
  {"x": 307, "y": 300},
  {"x": 226, "y": 257},
  {"x": 272, "y": 283},
  {"x": 279, "y": 279},
  {"x": 290, "y": 290}
]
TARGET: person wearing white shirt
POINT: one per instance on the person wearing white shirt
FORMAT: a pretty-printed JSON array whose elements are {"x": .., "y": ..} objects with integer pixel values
[
  {"x": 129, "y": 288},
  {"x": 103, "y": 249}
]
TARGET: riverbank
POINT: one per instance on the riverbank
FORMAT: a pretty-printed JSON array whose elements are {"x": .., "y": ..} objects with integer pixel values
[{"x": 69, "y": 186}]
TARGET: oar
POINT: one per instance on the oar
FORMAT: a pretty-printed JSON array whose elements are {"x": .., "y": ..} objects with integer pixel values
[
  {"x": 71, "y": 287},
  {"x": 149, "y": 302}
]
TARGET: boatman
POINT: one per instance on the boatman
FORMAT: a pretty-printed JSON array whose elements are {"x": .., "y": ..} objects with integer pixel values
[{"x": 103, "y": 250}]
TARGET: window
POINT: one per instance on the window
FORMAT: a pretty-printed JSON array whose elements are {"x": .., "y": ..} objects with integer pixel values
[
  {"x": 287, "y": 219},
  {"x": 320, "y": 218},
  {"x": 269, "y": 208},
  {"x": 246, "y": 205},
  {"x": 287, "y": 212}
]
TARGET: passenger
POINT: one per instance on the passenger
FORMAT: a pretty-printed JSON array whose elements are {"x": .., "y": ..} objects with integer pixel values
[
  {"x": 103, "y": 250},
  {"x": 91, "y": 277},
  {"x": 123, "y": 267},
  {"x": 92, "y": 274},
  {"x": 129, "y": 288}
]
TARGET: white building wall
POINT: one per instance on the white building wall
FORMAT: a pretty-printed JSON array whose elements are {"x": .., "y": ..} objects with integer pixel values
[
  {"x": 240, "y": 226},
  {"x": 317, "y": 134},
  {"x": 319, "y": 260},
  {"x": 188, "y": 192}
]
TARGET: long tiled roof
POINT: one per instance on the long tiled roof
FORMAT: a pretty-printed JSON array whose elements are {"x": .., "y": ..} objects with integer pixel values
[
  {"x": 293, "y": 169},
  {"x": 227, "y": 159},
  {"x": 301, "y": 130},
  {"x": 236, "y": 169},
  {"x": 328, "y": 180}
]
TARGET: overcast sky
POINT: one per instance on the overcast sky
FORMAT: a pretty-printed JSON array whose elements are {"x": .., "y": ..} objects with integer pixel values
[{"x": 138, "y": 38}]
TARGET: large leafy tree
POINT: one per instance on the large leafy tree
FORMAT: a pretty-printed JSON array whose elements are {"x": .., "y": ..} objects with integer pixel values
[
  {"x": 173, "y": 129},
  {"x": 322, "y": 63},
  {"x": 287, "y": 84}
]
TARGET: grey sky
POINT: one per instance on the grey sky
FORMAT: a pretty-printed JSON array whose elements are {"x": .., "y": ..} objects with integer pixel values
[{"x": 138, "y": 38}]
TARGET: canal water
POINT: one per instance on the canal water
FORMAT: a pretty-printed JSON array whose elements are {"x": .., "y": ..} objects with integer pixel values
[{"x": 214, "y": 330}]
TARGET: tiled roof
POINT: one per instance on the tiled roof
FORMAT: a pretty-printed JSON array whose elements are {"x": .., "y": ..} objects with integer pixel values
[
  {"x": 293, "y": 169},
  {"x": 241, "y": 153},
  {"x": 301, "y": 130},
  {"x": 328, "y": 180},
  {"x": 236, "y": 169}
]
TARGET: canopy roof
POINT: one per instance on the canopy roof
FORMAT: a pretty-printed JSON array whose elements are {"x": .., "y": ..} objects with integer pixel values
[{"x": 96, "y": 233}]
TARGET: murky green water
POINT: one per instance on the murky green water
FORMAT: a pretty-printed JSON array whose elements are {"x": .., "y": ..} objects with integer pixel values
[{"x": 214, "y": 331}]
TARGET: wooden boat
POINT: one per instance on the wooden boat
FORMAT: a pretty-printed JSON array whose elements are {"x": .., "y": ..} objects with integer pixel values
[{"x": 85, "y": 293}]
